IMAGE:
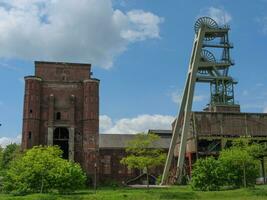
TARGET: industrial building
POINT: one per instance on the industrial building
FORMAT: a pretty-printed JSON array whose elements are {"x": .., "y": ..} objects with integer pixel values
[{"x": 61, "y": 107}]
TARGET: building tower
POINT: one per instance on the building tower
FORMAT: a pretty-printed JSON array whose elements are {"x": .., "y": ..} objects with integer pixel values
[
  {"x": 210, "y": 62},
  {"x": 61, "y": 107}
]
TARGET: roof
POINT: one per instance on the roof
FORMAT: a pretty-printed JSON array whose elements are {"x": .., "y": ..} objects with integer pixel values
[
  {"x": 62, "y": 63},
  {"x": 160, "y": 132},
  {"x": 121, "y": 141}
]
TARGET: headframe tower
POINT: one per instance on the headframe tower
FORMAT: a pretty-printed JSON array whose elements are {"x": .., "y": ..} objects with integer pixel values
[{"x": 209, "y": 63}]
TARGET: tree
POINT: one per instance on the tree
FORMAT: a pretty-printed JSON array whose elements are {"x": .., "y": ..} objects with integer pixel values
[
  {"x": 241, "y": 167},
  {"x": 1, "y": 159},
  {"x": 9, "y": 153},
  {"x": 207, "y": 174},
  {"x": 142, "y": 155},
  {"x": 41, "y": 169},
  {"x": 236, "y": 166}
]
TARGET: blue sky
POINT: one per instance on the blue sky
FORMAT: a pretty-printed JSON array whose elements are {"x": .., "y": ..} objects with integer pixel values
[{"x": 139, "y": 50}]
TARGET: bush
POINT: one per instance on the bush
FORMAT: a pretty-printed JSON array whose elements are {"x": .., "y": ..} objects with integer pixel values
[
  {"x": 9, "y": 153},
  {"x": 236, "y": 167},
  {"x": 158, "y": 180},
  {"x": 207, "y": 175},
  {"x": 240, "y": 168},
  {"x": 42, "y": 169}
]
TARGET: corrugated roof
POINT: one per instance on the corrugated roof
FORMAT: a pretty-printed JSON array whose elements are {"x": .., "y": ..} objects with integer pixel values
[{"x": 121, "y": 141}]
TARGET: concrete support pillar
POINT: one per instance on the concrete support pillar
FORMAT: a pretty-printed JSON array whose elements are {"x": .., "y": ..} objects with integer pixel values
[
  {"x": 50, "y": 136},
  {"x": 71, "y": 144}
]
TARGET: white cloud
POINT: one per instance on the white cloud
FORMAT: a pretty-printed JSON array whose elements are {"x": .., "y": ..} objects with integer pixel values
[
  {"x": 4, "y": 141},
  {"x": 137, "y": 124},
  {"x": 177, "y": 96},
  {"x": 147, "y": 26},
  {"x": 263, "y": 22},
  {"x": 199, "y": 98},
  {"x": 105, "y": 123},
  {"x": 259, "y": 84},
  {"x": 77, "y": 31},
  {"x": 220, "y": 15}
]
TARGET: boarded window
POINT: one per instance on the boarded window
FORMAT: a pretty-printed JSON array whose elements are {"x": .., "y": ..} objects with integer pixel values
[{"x": 107, "y": 162}]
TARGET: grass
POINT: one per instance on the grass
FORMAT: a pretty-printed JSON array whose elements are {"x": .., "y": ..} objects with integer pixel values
[{"x": 176, "y": 192}]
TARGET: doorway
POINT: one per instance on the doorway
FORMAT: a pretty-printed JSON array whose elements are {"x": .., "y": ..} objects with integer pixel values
[{"x": 61, "y": 139}]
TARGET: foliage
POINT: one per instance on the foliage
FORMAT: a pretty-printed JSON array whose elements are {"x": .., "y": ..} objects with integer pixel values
[
  {"x": 142, "y": 155},
  {"x": 158, "y": 180},
  {"x": 236, "y": 167},
  {"x": 9, "y": 153},
  {"x": 42, "y": 169},
  {"x": 240, "y": 166},
  {"x": 1, "y": 160},
  {"x": 207, "y": 174}
]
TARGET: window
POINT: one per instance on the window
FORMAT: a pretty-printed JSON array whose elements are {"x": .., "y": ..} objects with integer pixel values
[
  {"x": 58, "y": 116},
  {"x": 107, "y": 167},
  {"x": 30, "y": 135},
  {"x": 30, "y": 110}
]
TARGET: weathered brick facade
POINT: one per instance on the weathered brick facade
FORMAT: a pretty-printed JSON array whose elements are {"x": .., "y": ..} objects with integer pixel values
[{"x": 61, "y": 106}]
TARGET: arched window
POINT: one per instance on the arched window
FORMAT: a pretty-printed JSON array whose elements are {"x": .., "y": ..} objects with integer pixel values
[{"x": 58, "y": 116}]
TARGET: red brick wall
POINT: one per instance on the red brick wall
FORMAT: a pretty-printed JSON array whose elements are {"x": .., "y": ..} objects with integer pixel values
[
  {"x": 66, "y": 88},
  {"x": 119, "y": 172},
  {"x": 55, "y": 71},
  {"x": 31, "y": 112}
]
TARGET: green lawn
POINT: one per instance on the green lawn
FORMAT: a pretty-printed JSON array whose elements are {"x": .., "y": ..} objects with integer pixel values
[{"x": 178, "y": 192}]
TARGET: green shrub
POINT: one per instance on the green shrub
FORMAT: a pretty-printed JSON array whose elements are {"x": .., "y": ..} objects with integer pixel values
[
  {"x": 237, "y": 166},
  {"x": 240, "y": 168},
  {"x": 42, "y": 169},
  {"x": 207, "y": 175},
  {"x": 9, "y": 153},
  {"x": 158, "y": 180}
]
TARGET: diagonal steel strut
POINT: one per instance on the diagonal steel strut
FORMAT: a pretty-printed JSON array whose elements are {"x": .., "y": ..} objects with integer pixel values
[{"x": 185, "y": 110}]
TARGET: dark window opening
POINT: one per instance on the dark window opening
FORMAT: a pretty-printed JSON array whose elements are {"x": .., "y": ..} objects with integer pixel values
[
  {"x": 30, "y": 135},
  {"x": 61, "y": 139},
  {"x": 58, "y": 116},
  {"x": 30, "y": 110}
]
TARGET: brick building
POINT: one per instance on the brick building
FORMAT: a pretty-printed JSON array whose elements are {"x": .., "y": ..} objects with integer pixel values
[
  {"x": 61, "y": 107},
  {"x": 112, "y": 150}
]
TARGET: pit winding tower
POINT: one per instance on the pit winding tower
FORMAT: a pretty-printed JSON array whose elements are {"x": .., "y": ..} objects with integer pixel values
[{"x": 209, "y": 63}]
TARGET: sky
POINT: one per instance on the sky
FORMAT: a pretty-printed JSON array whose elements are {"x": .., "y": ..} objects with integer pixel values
[{"x": 140, "y": 51}]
